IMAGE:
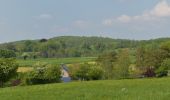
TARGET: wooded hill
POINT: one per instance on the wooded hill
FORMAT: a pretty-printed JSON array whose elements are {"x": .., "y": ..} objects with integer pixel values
[{"x": 74, "y": 46}]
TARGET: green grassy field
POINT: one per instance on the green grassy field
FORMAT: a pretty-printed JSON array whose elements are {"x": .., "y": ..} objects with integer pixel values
[
  {"x": 132, "y": 89},
  {"x": 30, "y": 62}
]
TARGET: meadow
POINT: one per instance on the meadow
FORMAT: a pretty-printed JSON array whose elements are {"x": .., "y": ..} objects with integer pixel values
[
  {"x": 30, "y": 62},
  {"x": 131, "y": 89}
]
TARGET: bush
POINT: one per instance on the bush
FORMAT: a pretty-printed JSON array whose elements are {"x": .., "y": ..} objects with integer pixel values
[
  {"x": 89, "y": 72},
  {"x": 163, "y": 69},
  {"x": 25, "y": 55},
  {"x": 53, "y": 74},
  {"x": 95, "y": 73},
  {"x": 43, "y": 73},
  {"x": 8, "y": 69},
  {"x": 73, "y": 68},
  {"x": 7, "y": 54},
  {"x": 83, "y": 72}
]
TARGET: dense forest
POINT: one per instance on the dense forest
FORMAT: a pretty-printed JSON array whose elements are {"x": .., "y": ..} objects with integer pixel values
[{"x": 72, "y": 46}]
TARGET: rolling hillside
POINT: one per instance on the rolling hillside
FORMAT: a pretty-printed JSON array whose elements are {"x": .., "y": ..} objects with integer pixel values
[{"x": 74, "y": 46}]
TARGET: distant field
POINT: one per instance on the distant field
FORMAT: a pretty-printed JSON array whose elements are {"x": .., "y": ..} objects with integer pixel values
[
  {"x": 30, "y": 62},
  {"x": 132, "y": 89}
]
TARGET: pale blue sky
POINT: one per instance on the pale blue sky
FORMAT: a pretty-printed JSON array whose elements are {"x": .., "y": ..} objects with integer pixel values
[{"x": 130, "y": 19}]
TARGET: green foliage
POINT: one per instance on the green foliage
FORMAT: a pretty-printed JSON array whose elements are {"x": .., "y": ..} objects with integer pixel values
[
  {"x": 140, "y": 57},
  {"x": 149, "y": 59},
  {"x": 95, "y": 72},
  {"x": 121, "y": 69},
  {"x": 7, "y": 54},
  {"x": 43, "y": 73},
  {"x": 43, "y": 40},
  {"x": 166, "y": 47},
  {"x": 163, "y": 69},
  {"x": 107, "y": 61},
  {"x": 49, "y": 49},
  {"x": 53, "y": 73},
  {"x": 166, "y": 64},
  {"x": 69, "y": 46},
  {"x": 154, "y": 57},
  {"x": 8, "y": 69},
  {"x": 149, "y": 54},
  {"x": 76, "y": 46},
  {"x": 83, "y": 72},
  {"x": 25, "y": 55},
  {"x": 29, "y": 46},
  {"x": 73, "y": 69},
  {"x": 89, "y": 72}
]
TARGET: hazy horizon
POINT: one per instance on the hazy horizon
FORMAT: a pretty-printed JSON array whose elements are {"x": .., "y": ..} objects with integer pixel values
[{"x": 117, "y": 19}]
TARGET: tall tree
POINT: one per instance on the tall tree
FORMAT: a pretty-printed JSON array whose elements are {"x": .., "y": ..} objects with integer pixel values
[
  {"x": 106, "y": 61},
  {"x": 122, "y": 64},
  {"x": 140, "y": 57}
]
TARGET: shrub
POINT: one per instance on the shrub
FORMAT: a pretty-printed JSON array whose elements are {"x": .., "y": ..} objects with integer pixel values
[
  {"x": 25, "y": 55},
  {"x": 73, "y": 68},
  {"x": 83, "y": 72},
  {"x": 43, "y": 73},
  {"x": 8, "y": 69},
  {"x": 7, "y": 54},
  {"x": 53, "y": 74},
  {"x": 163, "y": 69},
  {"x": 89, "y": 72},
  {"x": 95, "y": 73}
]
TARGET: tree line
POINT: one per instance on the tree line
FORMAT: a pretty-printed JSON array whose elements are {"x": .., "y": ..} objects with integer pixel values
[
  {"x": 66, "y": 46},
  {"x": 151, "y": 60}
]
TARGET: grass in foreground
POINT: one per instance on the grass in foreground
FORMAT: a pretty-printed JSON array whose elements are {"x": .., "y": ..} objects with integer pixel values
[
  {"x": 135, "y": 89},
  {"x": 30, "y": 62}
]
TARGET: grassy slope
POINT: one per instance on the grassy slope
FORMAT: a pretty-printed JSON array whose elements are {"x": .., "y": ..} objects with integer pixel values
[
  {"x": 30, "y": 62},
  {"x": 140, "y": 89}
]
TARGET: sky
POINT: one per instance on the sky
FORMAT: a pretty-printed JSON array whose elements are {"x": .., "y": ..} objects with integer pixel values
[{"x": 125, "y": 19}]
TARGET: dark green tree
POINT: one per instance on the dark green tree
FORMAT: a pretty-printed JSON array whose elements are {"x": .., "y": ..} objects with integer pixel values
[
  {"x": 7, "y": 54},
  {"x": 163, "y": 69}
]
